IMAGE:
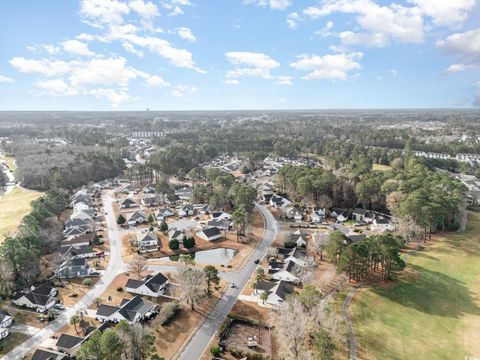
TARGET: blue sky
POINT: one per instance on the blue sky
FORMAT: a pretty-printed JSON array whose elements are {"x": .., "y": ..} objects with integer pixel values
[{"x": 238, "y": 54}]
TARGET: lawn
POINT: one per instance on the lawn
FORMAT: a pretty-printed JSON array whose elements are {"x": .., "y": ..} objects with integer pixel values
[
  {"x": 15, "y": 205},
  {"x": 432, "y": 311},
  {"x": 380, "y": 167},
  {"x": 11, "y": 341},
  {"x": 10, "y": 163}
]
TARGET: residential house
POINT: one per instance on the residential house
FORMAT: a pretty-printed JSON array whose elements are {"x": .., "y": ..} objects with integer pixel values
[
  {"x": 77, "y": 252},
  {"x": 137, "y": 218},
  {"x": 152, "y": 285},
  {"x": 382, "y": 224},
  {"x": 69, "y": 344},
  {"x": 184, "y": 193},
  {"x": 318, "y": 215},
  {"x": 148, "y": 190},
  {"x": 279, "y": 201},
  {"x": 283, "y": 271},
  {"x": 220, "y": 215},
  {"x": 224, "y": 224},
  {"x": 149, "y": 201},
  {"x": 147, "y": 241},
  {"x": 210, "y": 234},
  {"x": 163, "y": 213},
  {"x": 299, "y": 237},
  {"x": 186, "y": 210},
  {"x": 79, "y": 240},
  {"x": 363, "y": 216},
  {"x": 277, "y": 292},
  {"x": 42, "y": 354},
  {"x": 175, "y": 234},
  {"x": 74, "y": 267},
  {"x": 132, "y": 310},
  {"x": 203, "y": 209},
  {"x": 339, "y": 215},
  {"x": 128, "y": 203},
  {"x": 6, "y": 320},
  {"x": 39, "y": 298},
  {"x": 4, "y": 332}
]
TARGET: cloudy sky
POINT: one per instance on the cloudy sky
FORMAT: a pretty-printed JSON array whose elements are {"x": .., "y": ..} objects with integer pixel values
[{"x": 238, "y": 54}]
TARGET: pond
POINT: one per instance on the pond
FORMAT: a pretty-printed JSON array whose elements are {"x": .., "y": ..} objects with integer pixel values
[{"x": 221, "y": 256}]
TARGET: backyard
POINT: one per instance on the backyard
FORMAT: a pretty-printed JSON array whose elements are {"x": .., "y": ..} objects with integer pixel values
[
  {"x": 15, "y": 205},
  {"x": 432, "y": 311}
]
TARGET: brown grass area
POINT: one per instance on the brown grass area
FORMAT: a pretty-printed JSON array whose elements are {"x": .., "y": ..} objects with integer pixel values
[
  {"x": 116, "y": 296},
  {"x": 27, "y": 317},
  {"x": 72, "y": 291},
  {"x": 70, "y": 329}
]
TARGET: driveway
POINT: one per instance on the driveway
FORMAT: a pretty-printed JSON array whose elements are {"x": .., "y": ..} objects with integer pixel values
[
  {"x": 199, "y": 342},
  {"x": 115, "y": 267}
]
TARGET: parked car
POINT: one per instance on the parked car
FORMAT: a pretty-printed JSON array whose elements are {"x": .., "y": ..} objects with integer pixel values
[{"x": 59, "y": 306}]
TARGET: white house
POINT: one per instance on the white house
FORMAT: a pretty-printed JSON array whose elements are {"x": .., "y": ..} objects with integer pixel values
[
  {"x": 186, "y": 210},
  {"x": 382, "y": 224},
  {"x": 132, "y": 310},
  {"x": 153, "y": 286},
  {"x": 4, "y": 332},
  {"x": 300, "y": 238},
  {"x": 128, "y": 203},
  {"x": 163, "y": 214},
  {"x": 277, "y": 292},
  {"x": 210, "y": 234},
  {"x": 147, "y": 241},
  {"x": 340, "y": 215},
  {"x": 40, "y": 298},
  {"x": 6, "y": 319},
  {"x": 283, "y": 271},
  {"x": 175, "y": 234},
  {"x": 137, "y": 218},
  {"x": 318, "y": 215}
]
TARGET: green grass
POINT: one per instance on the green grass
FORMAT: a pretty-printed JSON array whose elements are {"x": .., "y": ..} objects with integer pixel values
[
  {"x": 380, "y": 167},
  {"x": 11, "y": 341},
  {"x": 432, "y": 311},
  {"x": 14, "y": 206}
]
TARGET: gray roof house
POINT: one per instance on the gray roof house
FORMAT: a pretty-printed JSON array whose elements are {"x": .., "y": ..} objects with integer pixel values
[
  {"x": 132, "y": 310},
  {"x": 152, "y": 285}
]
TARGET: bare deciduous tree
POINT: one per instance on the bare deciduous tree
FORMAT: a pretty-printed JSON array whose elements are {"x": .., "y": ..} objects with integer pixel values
[
  {"x": 318, "y": 244},
  {"x": 192, "y": 283},
  {"x": 137, "y": 265}
]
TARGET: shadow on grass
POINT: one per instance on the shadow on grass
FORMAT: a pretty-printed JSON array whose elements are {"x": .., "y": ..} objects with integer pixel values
[{"x": 433, "y": 293}]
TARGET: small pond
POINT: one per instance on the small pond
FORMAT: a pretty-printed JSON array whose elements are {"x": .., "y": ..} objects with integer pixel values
[{"x": 221, "y": 256}]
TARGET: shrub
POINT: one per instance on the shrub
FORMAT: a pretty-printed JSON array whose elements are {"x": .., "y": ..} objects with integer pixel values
[
  {"x": 87, "y": 282},
  {"x": 189, "y": 242},
  {"x": 120, "y": 289},
  {"x": 289, "y": 244},
  {"x": 215, "y": 351},
  {"x": 168, "y": 312},
  {"x": 121, "y": 220},
  {"x": 163, "y": 226},
  {"x": 174, "y": 244}
]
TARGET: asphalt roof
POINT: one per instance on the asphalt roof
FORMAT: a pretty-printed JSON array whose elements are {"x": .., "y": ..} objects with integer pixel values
[{"x": 69, "y": 341}]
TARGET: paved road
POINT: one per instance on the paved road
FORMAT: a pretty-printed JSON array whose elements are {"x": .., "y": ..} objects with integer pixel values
[
  {"x": 115, "y": 267},
  {"x": 207, "y": 330}
]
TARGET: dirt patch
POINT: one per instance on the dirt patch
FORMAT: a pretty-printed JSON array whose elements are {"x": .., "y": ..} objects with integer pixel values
[{"x": 72, "y": 291}]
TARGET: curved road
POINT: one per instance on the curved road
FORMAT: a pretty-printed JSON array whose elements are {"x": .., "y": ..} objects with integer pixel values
[
  {"x": 199, "y": 342},
  {"x": 115, "y": 267}
]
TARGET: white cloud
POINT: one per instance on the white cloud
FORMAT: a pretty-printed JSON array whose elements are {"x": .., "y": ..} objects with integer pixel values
[
  {"x": 186, "y": 34},
  {"x": 456, "y": 68},
  {"x": 273, "y": 4},
  {"x": 326, "y": 30},
  {"x": 146, "y": 10},
  {"x": 155, "y": 81},
  {"x": 250, "y": 64},
  {"x": 76, "y": 47},
  {"x": 175, "y": 6},
  {"x": 293, "y": 19},
  {"x": 465, "y": 46},
  {"x": 393, "y": 73},
  {"x": 131, "y": 49},
  {"x": 232, "y": 82},
  {"x": 56, "y": 87},
  {"x": 336, "y": 66},
  {"x": 45, "y": 66},
  {"x": 284, "y": 80},
  {"x": 6, "y": 79},
  {"x": 100, "y": 13},
  {"x": 115, "y": 97},
  {"x": 48, "y": 48},
  {"x": 450, "y": 13},
  {"x": 182, "y": 90}
]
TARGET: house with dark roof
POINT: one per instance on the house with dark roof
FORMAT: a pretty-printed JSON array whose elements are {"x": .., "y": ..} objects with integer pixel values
[
  {"x": 131, "y": 310},
  {"x": 363, "y": 216},
  {"x": 6, "y": 320},
  {"x": 339, "y": 215},
  {"x": 147, "y": 241},
  {"x": 69, "y": 344},
  {"x": 186, "y": 210},
  {"x": 299, "y": 237},
  {"x": 152, "y": 285},
  {"x": 277, "y": 292},
  {"x": 224, "y": 224},
  {"x": 382, "y": 224},
  {"x": 318, "y": 214},
  {"x": 74, "y": 251},
  {"x": 163, "y": 213},
  {"x": 137, "y": 218},
  {"x": 149, "y": 201},
  {"x": 4, "y": 332},
  {"x": 128, "y": 203},
  {"x": 39, "y": 298},
  {"x": 184, "y": 193},
  {"x": 175, "y": 234},
  {"x": 42, "y": 354},
  {"x": 210, "y": 234},
  {"x": 74, "y": 267}
]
